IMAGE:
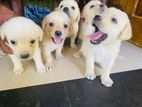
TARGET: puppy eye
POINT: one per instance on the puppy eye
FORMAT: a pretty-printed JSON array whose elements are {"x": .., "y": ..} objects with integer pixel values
[
  {"x": 13, "y": 42},
  {"x": 61, "y": 6},
  {"x": 73, "y": 7},
  {"x": 51, "y": 24},
  {"x": 114, "y": 20},
  {"x": 65, "y": 25},
  {"x": 32, "y": 41},
  {"x": 92, "y": 6}
]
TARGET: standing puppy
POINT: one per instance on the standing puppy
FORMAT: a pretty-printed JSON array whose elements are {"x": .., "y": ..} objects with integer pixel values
[
  {"x": 23, "y": 37},
  {"x": 71, "y": 8},
  {"x": 56, "y": 28},
  {"x": 102, "y": 47}
]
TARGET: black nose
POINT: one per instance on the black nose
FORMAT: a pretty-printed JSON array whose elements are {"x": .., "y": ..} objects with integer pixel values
[
  {"x": 58, "y": 33},
  {"x": 102, "y": 6},
  {"x": 97, "y": 18},
  {"x": 25, "y": 56},
  {"x": 66, "y": 9}
]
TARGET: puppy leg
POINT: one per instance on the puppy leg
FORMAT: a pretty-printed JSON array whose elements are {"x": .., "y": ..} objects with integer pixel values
[
  {"x": 73, "y": 36},
  {"x": 18, "y": 68},
  {"x": 90, "y": 68},
  {"x": 38, "y": 61},
  {"x": 48, "y": 59},
  {"x": 59, "y": 55},
  {"x": 77, "y": 55},
  {"x": 105, "y": 76}
]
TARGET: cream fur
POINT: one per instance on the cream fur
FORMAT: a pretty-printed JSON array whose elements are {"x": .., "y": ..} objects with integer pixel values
[
  {"x": 107, "y": 51},
  {"x": 23, "y": 31},
  {"x": 75, "y": 17},
  {"x": 59, "y": 19}
]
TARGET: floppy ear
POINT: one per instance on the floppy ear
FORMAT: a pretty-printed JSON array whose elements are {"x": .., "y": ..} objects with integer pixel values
[
  {"x": 70, "y": 29},
  {"x": 78, "y": 17},
  {"x": 2, "y": 33},
  {"x": 39, "y": 32},
  {"x": 44, "y": 22},
  {"x": 126, "y": 34}
]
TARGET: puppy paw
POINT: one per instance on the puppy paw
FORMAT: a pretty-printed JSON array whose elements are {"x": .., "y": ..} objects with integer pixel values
[
  {"x": 76, "y": 55},
  {"x": 41, "y": 69},
  {"x": 49, "y": 67},
  {"x": 90, "y": 76},
  {"x": 18, "y": 71},
  {"x": 59, "y": 57},
  {"x": 107, "y": 81},
  {"x": 73, "y": 46}
]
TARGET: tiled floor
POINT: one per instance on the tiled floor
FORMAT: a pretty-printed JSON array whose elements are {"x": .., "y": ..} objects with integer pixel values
[
  {"x": 126, "y": 92},
  {"x": 130, "y": 58}
]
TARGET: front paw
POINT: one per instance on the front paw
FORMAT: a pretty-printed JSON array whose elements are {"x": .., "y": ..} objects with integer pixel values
[
  {"x": 49, "y": 67},
  {"x": 107, "y": 81},
  {"x": 90, "y": 76},
  {"x": 73, "y": 46},
  {"x": 18, "y": 71},
  {"x": 41, "y": 69},
  {"x": 77, "y": 55},
  {"x": 59, "y": 57}
]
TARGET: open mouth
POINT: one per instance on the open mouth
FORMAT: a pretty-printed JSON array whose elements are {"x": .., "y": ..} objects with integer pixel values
[
  {"x": 97, "y": 37},
  {"x": 57, "y": 40}
]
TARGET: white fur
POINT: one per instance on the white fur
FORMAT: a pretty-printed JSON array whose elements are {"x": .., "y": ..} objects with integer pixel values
[
  {"x": 58, "y": 18},
  {"x": 23, "y": 31},
  {"x": 107, "y": 51},
  {"x": 75, "y": 17},
  {"x": 88, "y": 14}
]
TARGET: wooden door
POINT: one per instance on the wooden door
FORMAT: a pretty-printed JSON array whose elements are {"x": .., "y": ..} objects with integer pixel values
[{"x": 134, "y": 9}]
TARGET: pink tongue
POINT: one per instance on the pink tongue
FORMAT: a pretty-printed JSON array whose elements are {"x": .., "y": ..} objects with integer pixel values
[
  {"x": 95, "y": 36},
  {"x": 57, "y": 40}
]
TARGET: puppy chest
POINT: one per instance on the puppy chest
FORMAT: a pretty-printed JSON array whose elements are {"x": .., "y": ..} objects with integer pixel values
[{"x": 51, "y": 47}]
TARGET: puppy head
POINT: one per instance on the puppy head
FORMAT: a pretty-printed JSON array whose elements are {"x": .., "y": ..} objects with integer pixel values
[
  {"x": 112, "y": 25},
  {"x": 91, "y": 9},
  {"x": 57, "y": 26},
  {"x": 71, "y": 8},
  {"x": 22, "y": 35}
]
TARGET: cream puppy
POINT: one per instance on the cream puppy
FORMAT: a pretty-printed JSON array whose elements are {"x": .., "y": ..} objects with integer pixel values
[
  {"x": 91, "y": 9},
  {"x": 71, "y": 8},
  {"x": 23, "y": 37},
  {"x": 101, "y": 47},
  {"x": 56, "y": 28}
]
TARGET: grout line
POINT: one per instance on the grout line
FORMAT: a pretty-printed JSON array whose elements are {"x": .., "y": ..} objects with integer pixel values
[{"x": 67, "y": 94}]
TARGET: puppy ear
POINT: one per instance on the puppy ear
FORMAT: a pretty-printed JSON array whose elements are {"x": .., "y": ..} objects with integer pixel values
[
  {"x": 126, "y": 34},
  {"x": 70, "y": 29},
  {"x": 39, "y": 32},
  {"x": 44, "y": 22},
  {"x": 2, "y": 33},
  {"x": 78, "y": 18}
]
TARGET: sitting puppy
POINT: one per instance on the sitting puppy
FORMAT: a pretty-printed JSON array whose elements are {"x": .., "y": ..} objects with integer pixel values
[
  {"x": 71, "y": 8},
  {"x": 23, "y": 36},
  {"x": 102, "y": 46},
  {"x": 56, "y": 26},
  {"x": 90, "y": 10}
]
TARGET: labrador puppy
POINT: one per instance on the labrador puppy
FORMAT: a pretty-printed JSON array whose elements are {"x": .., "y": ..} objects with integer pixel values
[
  {"x": 56, "y": 26},
  {"x": 101, "y": 47},
  {"x": 23, "y": 37},
  {"x": 90, "y": 10},
  {"x": 71, "y": 8}
]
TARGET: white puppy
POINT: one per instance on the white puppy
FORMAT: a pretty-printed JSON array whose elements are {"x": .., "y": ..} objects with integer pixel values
[
  {"x": 91, "y": 9},
  {"x": 71, "y": 8},
  {"x": 23, "y": 37},
  {"x": 101, "y": 45},
  {"x": 56, "y": 28}
]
